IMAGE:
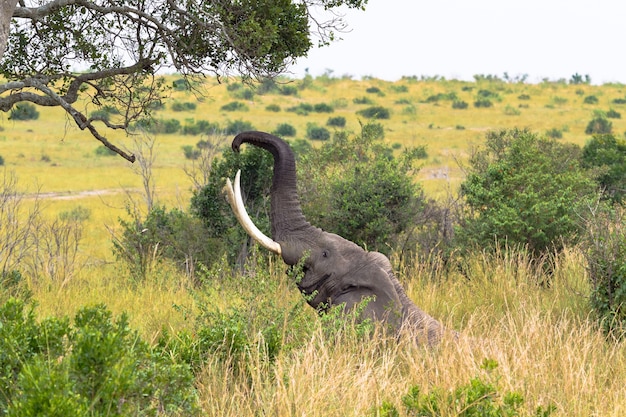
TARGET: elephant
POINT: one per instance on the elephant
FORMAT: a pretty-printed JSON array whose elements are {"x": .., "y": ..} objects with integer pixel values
[{"x": 335, "y": 270}]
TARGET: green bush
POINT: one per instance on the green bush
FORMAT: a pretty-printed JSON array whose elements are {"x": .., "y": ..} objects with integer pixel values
[
  {"x": 1, "y": 161},
  {"x": 362, "y": 100},
  {"x": 96, "y": 366},
  {"x": 523, "y": 97},
  {"x": 619, "y": 101},
  {"x": 244, "y": 94},
  {"x": 186, "y": 106},
  {"x": 104, "y": 151},
  {"x": 289, "y": 90},
  {"x": 234, "y": 106},
  {"x": 162, "y": 235},
  {"x": 285, "y": 130},
  {"x": 158, "y": 126},
  {"x": 612, "y": 114},
  {"x": 323, "y": 108},
  {"x": 181, "y": 84},
  {"x": 605, "y": 245},
  {"x": 459, "y": 104},
  {"x": 554, "y": 133},
  {"x": 301, "y": 109},
  {"x": 237, "y": 126},
  {"x": 338, "y": 121},
  {"x": 483, "y": 103},
  {"x": 24, "y": 111},
  {"x": 606, "y": 156},
  {"x": 480, "y": 397},
  {"x": 375, "y": 112},
  {"x": 522, "y": 190},
  {"x": 362, "y": 191},
  {"x": 201, "y": 127},
  {"x": 590, "y": 100},
  {"x": 100, "y": 114},
  {"x": 273, "y": 108},
  {"x": 599, "y": 125},
  {"x": 191, "y": 152},
  {"x": 441, "y": 96},
  {"x": 211, "y": 207},
  {"x": 314, "y": 132}
]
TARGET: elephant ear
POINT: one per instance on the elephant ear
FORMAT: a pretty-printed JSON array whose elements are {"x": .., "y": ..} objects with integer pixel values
[{"x": 374, "y": 285}]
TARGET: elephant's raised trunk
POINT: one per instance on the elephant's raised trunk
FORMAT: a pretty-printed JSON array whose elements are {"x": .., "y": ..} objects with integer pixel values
[{"x": 286, "y": 214}]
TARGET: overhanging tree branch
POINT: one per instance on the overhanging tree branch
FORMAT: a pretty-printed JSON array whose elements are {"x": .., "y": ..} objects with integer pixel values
[{"x": 119, "y": 45}]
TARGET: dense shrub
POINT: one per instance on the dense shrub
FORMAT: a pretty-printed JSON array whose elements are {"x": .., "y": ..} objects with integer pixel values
[
  {"x": 181, "y": 84},
  {"x": 301, "y": 109},
  {"x": 374, "y": 90},
  {"x": 606, "y": 155},
  {"x": 523, "y": 97},
  {"x": 338, "y": 121},
  {"x": 180, "y": 106},
  {"x": 590, "y": 100},
  {"x": 399, "y": 88},
  {"x": 234, "y": 106},
  {"x": 200, "y": 127},
  {"x": 285, "y": 130},
  {"x": 323, "y": 108},
  {"x": 599, "y": 125},
  {"x": 619, "y": 101},
  {"x": 100, "y": 114},
  {"x": 104, "y": 151},
  {"x": 362, "y": 100},
  {"x": 360, "y": 190},
  {"x": 554, "y": 133},
  {"x": 375, "y": 112},
  {"x": 522, "y": 190},
  {"x": 605, "y": 246},
  {"x": 612, "y": 114},
  {"x": 441, "y": 96},
  {"x": 237, "y": 126},
  {"x": 289, "y": 90},
  {"x": 273, "y": 108},
  {"x": 254, "y": 322},
  {"x": 1, "y": 161},
  {"x": 96, "y": 366},
  {"x": 315, "y": 132},
  {"x": 190, "y": 152},
  {"x": 483, "y": 103},
  {"x": 459, "y": 104},
  {"x": 244, "y": 94},
  {"x": 173, "y": 235},
  {"x": 157, "y": 126},
  {"x": 212, "y": 208},
  {"x": 24, "y": 111}
]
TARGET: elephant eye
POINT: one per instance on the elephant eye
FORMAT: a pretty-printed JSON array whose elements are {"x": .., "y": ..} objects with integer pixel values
[{"x": 325, "y": 253}]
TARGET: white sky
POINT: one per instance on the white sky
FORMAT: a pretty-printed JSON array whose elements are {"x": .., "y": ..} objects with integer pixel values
[{"x": 457, "y": 39}]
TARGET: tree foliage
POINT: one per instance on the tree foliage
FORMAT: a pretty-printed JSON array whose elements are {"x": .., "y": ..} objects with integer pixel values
[
  {"x": 356, "y": 187},
  {"x": 606, "y": 154},
  {"x": 209, "y": 204},
  {"x": 83, "y": 55},
  {"x": 523, "y": 190}
]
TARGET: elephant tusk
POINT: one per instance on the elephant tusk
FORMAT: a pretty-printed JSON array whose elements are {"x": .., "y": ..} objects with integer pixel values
[{"x": 236, "y": 202}]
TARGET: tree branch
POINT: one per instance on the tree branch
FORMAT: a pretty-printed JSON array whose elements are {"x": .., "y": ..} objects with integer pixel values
[{"x": 80, "y": 120}]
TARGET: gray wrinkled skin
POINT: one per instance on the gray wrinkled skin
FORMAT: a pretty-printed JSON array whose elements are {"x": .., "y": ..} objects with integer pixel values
[{"x": 336, "y": 270}]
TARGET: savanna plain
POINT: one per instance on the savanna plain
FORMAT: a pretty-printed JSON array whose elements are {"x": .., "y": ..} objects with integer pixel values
[{"x": 524, "y": 349}]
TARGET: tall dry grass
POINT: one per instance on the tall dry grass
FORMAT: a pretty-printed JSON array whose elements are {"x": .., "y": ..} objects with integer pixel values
[{"x": 547, "y": 346}]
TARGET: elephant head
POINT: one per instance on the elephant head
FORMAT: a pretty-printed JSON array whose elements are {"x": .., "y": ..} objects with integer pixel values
[{"x": 335, "y": 270}]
